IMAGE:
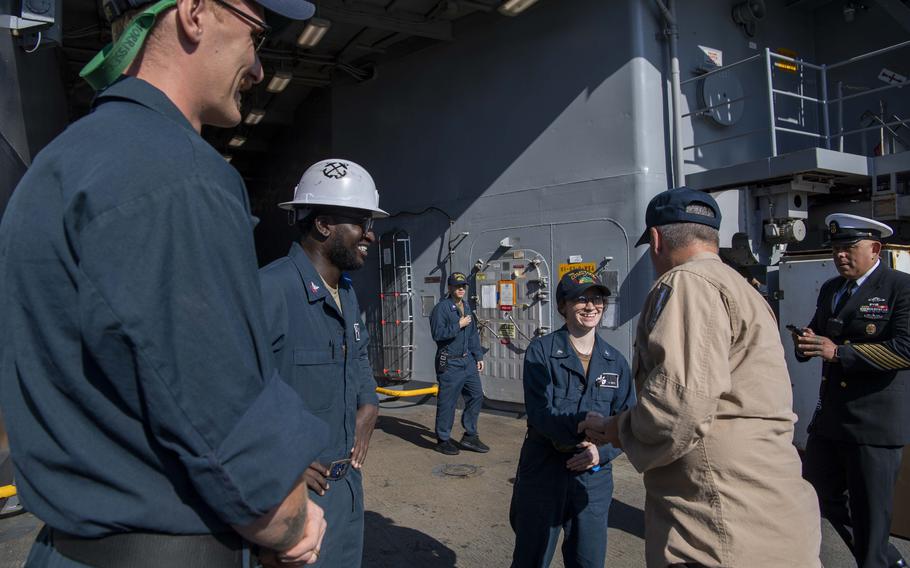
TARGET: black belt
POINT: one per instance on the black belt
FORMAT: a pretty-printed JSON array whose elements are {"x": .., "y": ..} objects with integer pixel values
[
  {"x": 152, "y": 550},
  {"x": 538, "y": 437}
]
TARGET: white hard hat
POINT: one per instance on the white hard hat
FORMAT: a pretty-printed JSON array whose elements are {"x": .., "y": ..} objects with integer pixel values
[{"x": 336, "y": 183}]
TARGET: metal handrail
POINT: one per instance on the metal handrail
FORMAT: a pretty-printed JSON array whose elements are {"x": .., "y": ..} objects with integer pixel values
[
  {"x": 796, "y": 95},
  {"x": 802, "y": 132},
  {"x": 870, "y": 54},
  {"x": 880, "y": 125},
  {"x": 719, "y": 69},
  {"x": 868, "y": 92},
  {"x": 724, "y": 103},
  {"x": 772, "y": 129},
  {"x": 772, "y": 115},
  {"x": 725, "y": 138}
]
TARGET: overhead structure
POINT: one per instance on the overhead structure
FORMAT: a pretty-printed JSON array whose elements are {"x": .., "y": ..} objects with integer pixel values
[{"x": 344, "y": 41}]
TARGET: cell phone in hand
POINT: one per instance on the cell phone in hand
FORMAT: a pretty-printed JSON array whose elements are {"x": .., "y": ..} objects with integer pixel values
[{"x": 797, "y": 330}]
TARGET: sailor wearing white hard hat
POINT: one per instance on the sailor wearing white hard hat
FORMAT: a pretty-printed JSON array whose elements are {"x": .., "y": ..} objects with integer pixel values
[{"x": 319, "y": 342}]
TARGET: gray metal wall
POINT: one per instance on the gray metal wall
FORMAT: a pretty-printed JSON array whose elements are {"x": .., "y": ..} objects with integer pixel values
[
  {"x": 838, "y": 40},
  {"x": 32, "y": 108},
  {"x": 708, "y": 23},
  {"x": 554, "y": 117},
  {"x": 548, "y": 127}
]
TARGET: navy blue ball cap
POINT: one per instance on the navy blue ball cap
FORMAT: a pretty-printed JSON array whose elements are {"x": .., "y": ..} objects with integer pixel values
[
  {"x": 670, "y": 207},
  {"x": 575, "y": 282},
  {"x": 457, "y": 279},
  {"x": 292, "y": 9}
]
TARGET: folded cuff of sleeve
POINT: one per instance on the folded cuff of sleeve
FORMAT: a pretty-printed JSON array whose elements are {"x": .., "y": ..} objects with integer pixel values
[
  {"x": 564, "y": 429},
  {"x": 367, "y": 397},
  {"x": 607, "y": 453},
  {"x": 258, "y": 463}
]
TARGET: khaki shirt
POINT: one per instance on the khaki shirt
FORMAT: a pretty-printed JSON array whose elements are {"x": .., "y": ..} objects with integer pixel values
[
  {"x": 332, "y": 292},
  {"x": 713, "y": 428}
]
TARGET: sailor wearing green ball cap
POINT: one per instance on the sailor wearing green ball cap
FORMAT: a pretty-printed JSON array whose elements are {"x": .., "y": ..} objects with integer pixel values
[{"x": 148, "y": 426}]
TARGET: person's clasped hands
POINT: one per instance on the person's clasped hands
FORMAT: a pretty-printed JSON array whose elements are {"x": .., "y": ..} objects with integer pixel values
[{"x": 599, "y": 429}]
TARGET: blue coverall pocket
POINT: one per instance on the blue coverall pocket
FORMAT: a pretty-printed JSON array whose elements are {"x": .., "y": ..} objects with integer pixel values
[
  {"x": 316, "y": 378},
  {"x": 603, "y": 395},
  {"x": 567, "y": 404}
]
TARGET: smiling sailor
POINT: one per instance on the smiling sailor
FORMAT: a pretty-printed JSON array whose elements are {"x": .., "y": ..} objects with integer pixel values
[
  {"x": 565, "y": 483},
  {"x": 147, "y": 425},
  {"x": 320, "y": 343}
]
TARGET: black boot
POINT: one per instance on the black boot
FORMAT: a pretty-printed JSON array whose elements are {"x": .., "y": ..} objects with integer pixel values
[
  {"x": 446, "y": 447},
  {"x": 474, "y": 444}
]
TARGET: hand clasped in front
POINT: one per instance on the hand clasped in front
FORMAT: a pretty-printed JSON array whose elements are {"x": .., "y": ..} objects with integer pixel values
[{"x": 599, "y": 429}]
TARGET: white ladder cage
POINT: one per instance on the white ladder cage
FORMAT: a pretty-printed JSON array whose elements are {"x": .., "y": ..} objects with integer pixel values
[{"x": 392, "y": 349}]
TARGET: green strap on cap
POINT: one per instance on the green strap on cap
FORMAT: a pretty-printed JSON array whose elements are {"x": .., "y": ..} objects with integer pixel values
[{"x": 109, "y": 64}]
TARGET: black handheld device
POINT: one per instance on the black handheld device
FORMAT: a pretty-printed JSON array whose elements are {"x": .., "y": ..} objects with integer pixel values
[{"x": 796, "y": 330}]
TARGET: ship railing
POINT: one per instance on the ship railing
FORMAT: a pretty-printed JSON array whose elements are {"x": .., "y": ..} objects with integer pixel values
[{"x": 824, "y": 135}]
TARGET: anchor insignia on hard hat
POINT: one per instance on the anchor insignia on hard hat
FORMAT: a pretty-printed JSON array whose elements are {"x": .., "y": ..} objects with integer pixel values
[
  {"x": 335, "y": 170},
  {"x": 833, "y": 227}
]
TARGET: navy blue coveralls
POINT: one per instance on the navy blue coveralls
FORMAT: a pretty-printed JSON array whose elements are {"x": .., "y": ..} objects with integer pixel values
[
  {"x": 457, "y": 353},
  {"x": 323, "y": 355},
  {"x": 547, "y": 496},
  {"x": 135, "y": 374}
]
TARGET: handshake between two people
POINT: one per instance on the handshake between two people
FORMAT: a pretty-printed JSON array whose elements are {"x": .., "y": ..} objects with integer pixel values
[{"x": 599, "y": 429}]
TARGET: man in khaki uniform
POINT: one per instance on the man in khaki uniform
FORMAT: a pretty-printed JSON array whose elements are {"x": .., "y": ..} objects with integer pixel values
[{"x": 713, "y": 428}]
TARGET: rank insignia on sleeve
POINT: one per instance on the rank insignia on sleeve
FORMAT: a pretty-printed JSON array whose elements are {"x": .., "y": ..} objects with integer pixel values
[
  {"x": 662, "y": 294},
  {"x": 870, "y": 329}
]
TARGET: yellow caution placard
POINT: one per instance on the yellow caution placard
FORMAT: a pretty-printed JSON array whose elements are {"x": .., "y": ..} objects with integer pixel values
[{"x": 568, "y": 267}]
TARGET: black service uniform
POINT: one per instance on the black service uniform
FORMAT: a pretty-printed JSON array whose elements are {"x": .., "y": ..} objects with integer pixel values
[{"x": 853, "y": 454}]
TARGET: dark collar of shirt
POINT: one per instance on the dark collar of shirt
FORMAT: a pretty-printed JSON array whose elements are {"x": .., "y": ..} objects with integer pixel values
[
  {"x": 562, "y": 347},
  {"x": 145, "y": 94},
  {"x": 464, "y": 305},
  {"x": 312, "y": 281}
]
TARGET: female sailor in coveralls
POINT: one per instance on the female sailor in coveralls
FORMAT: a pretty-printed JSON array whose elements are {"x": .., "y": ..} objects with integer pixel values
[{"x": 563, "y": 482}]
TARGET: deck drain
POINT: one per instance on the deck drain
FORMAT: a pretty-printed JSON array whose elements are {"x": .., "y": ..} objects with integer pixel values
[{"x": 457, "y": 470}]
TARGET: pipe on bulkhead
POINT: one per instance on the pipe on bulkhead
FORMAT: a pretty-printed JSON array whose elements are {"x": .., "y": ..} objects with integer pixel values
[{"x": 671, "y": 31}]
